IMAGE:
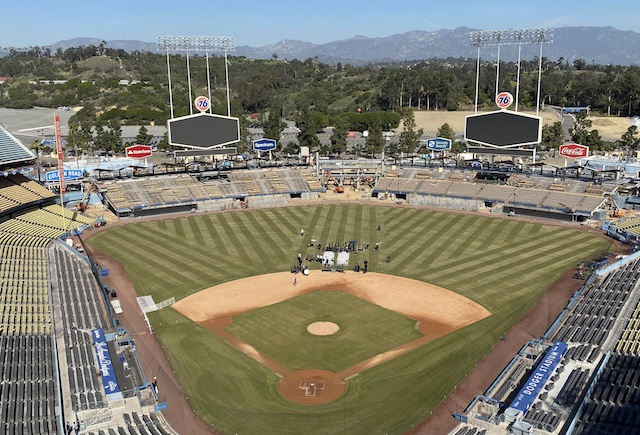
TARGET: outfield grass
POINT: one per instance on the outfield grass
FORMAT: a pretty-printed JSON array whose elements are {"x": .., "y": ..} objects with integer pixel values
[
  {"x": 504, "y": 265},
  {"x": 366, "y": 330}
]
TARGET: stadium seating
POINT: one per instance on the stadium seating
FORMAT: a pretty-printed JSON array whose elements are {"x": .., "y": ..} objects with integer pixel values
[
  {"x": 181, "y": 189},
  {"x": 605, "y": 309},
  {"x": 12, "y": 150}
]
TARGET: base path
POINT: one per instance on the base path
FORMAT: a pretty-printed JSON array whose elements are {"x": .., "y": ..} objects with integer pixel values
[
  {"x": 418, "y": 300},
  {"x": 437, "y": 312}
]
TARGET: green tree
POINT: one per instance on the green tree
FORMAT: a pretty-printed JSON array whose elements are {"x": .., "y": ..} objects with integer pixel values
[
  {"x": 445, "y": 131},
  {"x": 37, "y": 148},
  {"x": 243, "y": 145},
  {"x": 374, "y": 142},
  {"x": 163, "y": 145},
  {"x": 79, "y": 138},
  {"x": 580, "y": 130},
  {"x": 273, "y": 125},
  {"x": 458, "y": 147},
  {"x": 291, "y": 148},
  {"x": 629, "y": 139},
  {"x": 410, "y": 136},
  {"x": 143, "y": 137},
  {"x": 552, "y": 135},
  {"x": 308, "y": 129},
  {"x": 108, "y": 137},
  {"x": 339, "y": 136}
]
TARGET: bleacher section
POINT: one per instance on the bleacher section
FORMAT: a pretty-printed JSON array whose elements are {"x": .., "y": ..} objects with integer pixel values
[
  {"x": 184, "y": 190},
  {"x": 41, "y": 330},
  {"x": 41, "y": 224},
  {"x": 614, "y": 405},
  {"x": 630, "y": 341},
  {"x": 28, "y": 387},
  {"x": 554, "y": 200},
  {"x": 27, "y": 380},
  {"x": 79, "y": 307},
  {"x": 24, "y": 293},
  {"x": 16, "y": 191},
  {"x": 594, "y": 388},
  {"x": 631, "y": 226}
]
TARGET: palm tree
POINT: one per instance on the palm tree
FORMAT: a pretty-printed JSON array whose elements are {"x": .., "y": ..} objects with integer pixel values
[{"x": 37, "y": 147}]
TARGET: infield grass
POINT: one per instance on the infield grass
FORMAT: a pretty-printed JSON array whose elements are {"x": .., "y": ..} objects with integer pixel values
[
  {"x": 366, "y": 330},
  {"x": 504, "y": 265}
]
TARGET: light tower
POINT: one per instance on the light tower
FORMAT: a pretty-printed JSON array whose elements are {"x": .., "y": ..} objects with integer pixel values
[
  {"x": 519, "y": 37},
  {"x": 197, "y": 44}
]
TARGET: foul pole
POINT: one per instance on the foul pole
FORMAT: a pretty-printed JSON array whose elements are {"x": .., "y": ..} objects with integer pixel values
[{"x": 56, "y": 121}]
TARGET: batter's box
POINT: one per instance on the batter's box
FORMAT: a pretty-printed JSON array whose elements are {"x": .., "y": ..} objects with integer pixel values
[{"x": 311, "y": 387}]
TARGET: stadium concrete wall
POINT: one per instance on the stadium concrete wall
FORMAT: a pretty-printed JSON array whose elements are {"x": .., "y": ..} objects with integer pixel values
[
  {"x": 220, "y": 204},
  {"x": 268, "y": 200},
  {"x": 445, "y": 202}
]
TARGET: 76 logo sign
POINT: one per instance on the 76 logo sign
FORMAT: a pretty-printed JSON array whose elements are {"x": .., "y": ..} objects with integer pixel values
[
  {"x": 202, "y": 103},
  {"x": 504, "y": 100}
]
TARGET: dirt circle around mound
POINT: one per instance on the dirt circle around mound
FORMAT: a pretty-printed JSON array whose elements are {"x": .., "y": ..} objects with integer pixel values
[
  {"x": 312, "y": 387},
  {"x": 323, "y": 328}
]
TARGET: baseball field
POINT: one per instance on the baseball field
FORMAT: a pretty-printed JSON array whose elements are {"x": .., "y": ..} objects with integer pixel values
[{"x": 388, "y": 345}]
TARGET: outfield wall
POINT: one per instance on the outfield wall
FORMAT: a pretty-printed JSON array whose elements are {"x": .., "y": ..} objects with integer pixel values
[{"x": 446, "y": 202}]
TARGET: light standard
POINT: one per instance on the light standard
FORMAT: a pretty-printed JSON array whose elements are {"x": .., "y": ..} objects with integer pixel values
[
  {"x": 517, "y": 37},
  {"x": 187, "y": 44}
]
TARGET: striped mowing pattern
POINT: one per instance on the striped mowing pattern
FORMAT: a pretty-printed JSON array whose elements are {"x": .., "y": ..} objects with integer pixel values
[{"x": 505, "y": 265}]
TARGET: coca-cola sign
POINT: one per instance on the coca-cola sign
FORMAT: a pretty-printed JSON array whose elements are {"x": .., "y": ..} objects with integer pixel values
[
  {"x": 574, "y": 150},
  {"x": 138, "y": 151}
]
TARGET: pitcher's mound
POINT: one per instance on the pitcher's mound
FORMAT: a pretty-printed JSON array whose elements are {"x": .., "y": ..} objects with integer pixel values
[{"x": 323, "y": 328}]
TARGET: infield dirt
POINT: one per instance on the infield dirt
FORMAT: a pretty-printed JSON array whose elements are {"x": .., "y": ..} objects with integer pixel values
[{"x": 436, "y": 310}]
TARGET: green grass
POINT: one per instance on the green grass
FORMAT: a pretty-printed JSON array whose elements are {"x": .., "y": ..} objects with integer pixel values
[
  {"x": 366, "y": 330},
  {"x": 504, "y": 265}
]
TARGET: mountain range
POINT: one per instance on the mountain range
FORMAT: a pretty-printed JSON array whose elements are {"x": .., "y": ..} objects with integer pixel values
[{"x": 599, "y": 45}]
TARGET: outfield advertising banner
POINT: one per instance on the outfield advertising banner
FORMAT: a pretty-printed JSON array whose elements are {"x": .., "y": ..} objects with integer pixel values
[
  {"x": 105, "y": 365},
  {"x": 69, "y": 174},
  {"x": 539, "y": 377},
  {"x": 439, "y": 144}
]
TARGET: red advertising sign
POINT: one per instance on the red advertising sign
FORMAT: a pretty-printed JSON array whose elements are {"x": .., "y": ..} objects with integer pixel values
[
  {"x": 138, "y": 151},
  {"x": 574, "y": 151}
]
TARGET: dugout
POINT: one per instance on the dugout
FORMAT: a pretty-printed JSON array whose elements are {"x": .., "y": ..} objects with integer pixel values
[{"x": 558, "y": 215}]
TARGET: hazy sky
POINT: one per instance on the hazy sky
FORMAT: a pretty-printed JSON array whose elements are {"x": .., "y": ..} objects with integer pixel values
[{"x": 262, "y": 22}]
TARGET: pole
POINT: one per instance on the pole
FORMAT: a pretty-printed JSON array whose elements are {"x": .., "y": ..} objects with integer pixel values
[
  {"x": 497, "y": 75},
  {"x": 208, "y": 81},
  {"x": 518, "y": 76},
  {"x": 189, "y": 84},
  {"x": 170, "y": 93},
  {"x": 477, "y": 79},
  {"x": 539, "y": 79},
  {"x": 226, "y": 76},
  {"x": 56, "y": 122}
]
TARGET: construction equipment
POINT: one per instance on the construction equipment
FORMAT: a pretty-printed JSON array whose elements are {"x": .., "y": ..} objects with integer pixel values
[
  {"x": 84, "y": 202},
  {"x": 618, "y": 212}
]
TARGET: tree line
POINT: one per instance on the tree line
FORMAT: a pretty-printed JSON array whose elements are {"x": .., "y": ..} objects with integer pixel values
[{"x": 314, "y": 94}]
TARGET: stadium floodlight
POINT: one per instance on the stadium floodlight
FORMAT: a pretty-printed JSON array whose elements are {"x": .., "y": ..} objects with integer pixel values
[
  {"x": 511, "y": 37},
  {"x": 519, "y": 37},
  {"x": 197, "y": 44},
  {"x": 179, "y": 44}
]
